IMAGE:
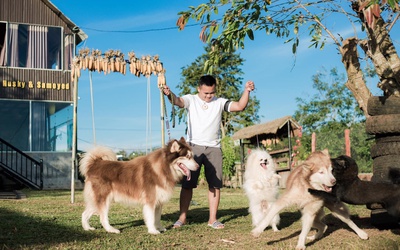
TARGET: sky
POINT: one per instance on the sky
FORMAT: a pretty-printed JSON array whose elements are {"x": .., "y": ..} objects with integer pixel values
[{"x": 123, "y": 112}]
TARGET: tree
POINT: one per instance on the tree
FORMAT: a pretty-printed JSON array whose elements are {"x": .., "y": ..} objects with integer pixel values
[
  {"x": 328, "y": 113},
  {"x": 331, "y": 105},
  {"x": 229, "y": 85},
  {"x": 123, "y": 154},
  {"x": 227, "y": 31}
]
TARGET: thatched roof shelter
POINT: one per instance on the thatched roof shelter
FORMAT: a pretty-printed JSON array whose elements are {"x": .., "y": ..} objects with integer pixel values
[
  {"x": 282, "y": 127},
  {"x": 270, "y": 133}
]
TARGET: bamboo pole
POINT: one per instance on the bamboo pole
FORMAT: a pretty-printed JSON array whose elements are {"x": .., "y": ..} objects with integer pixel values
[
  {"x": 162, "y": 103},
  {"x": 74, "y": 134},
  {"x": 92, "y": 104}
]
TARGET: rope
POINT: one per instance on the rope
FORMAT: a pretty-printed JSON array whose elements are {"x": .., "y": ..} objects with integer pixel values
[
  {"x": 173, "y": 111},
  {"x": 166, "y": 117},
  {"x": 166, "y": 114}
]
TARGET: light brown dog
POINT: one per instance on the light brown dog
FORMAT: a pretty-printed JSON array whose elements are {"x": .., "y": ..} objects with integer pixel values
[
  {"x": 145, "y": 180},
  {"x": 315, "y": 173}
]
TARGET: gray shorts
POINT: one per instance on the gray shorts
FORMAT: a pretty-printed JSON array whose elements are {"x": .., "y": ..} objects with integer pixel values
[{"x": 211, "y": 159}]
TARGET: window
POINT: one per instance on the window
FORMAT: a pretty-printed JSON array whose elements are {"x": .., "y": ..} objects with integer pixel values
[
  {"x": 3, "y": 28},
  {"x": 30, "y": 46},
  {"x": 37, "y": 126},
  {"x": 51, "y": 126},
  {"x": 14, "y": 123}
]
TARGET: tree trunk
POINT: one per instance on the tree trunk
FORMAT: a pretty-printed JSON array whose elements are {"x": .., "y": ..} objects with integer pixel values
[
  {"x": 355, "y": 79},
  {"x": 380, "y": 117},
  {"x": 379, "y": 48}
]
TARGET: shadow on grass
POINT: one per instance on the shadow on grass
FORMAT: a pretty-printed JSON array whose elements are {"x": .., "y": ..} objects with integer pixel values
[
  {"x": 18, "y": 231},
  {"x": 195, "y": 216},
  {"x": 333, "y": 224},
  {"x": 199, "y": 216}
]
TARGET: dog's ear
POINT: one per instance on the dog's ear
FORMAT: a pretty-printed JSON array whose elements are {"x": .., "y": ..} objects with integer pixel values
[
  {"x": 308, "y": 166},
  {"x": 182, "y": 140},
  {"x": 341, "y": 162},
  {"x": 325, "y": 152},
  {"x": 175, "y": 147}
]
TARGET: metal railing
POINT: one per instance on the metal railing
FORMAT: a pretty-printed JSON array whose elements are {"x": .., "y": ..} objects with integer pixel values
[{"x": 21, "y": 166}]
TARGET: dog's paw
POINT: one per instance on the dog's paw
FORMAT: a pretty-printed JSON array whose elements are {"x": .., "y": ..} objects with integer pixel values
[
  {"x": 113, "y": 230},
  {"x": 154, "y": 231},
  {"x": 300, "y": 247},
  {"x": 258, "y": 185},
  {"x": 363, "y": 235},
  {"x": 275, "y": 229},
  {"x": 256, "y": 233},
  {"x": 312, "y": 237},
  {"x": 89, "y": 228},
  {"x": 162, "y": 229}
]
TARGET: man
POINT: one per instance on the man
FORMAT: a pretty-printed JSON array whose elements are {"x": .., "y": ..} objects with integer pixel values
[{"x": 204, "y": 111}]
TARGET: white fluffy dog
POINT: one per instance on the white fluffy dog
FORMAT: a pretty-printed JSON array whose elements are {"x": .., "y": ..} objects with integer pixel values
[{"x": 261, "y": 185}]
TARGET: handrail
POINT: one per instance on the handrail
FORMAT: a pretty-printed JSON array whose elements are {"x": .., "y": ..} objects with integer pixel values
[
  {"x": 279, "y": 151},
  {"x": 21, "y": 166}
]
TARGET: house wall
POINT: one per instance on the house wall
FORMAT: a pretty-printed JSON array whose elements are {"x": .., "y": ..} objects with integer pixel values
[
  {"x": 33, "y": 84},
  {"x": 32, "y": 12},
  {"x": 56, "y": 169},
  {"x": 41, "y": 84}
]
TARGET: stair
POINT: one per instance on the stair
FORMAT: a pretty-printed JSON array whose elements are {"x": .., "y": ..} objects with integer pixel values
[{"x": 15, "y": 194}]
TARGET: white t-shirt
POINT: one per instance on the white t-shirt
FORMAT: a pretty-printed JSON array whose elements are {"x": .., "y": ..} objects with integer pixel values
[{"x": 204, "y": 120}]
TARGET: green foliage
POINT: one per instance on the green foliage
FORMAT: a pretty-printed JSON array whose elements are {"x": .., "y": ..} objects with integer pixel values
[
  {"x": 334, "y": 140},
  {"x": 229, "y": 85},
  {"x": 227, "y": 25},
  {"x": 332, "y": 105},
  {"x": 360, "y": 147},
  {"x": 135, "y": 154},
  {"x": 229, "y": 156},
  {"x": 328, "y": 113},
  {"x": 228, "y": 30}
]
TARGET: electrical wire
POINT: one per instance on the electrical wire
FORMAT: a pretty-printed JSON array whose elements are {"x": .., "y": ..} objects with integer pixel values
[{"x": 135, "y": 31}]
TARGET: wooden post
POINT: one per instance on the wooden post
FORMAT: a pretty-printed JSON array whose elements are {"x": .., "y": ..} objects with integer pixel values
[
  {"x": 240, "y": 175},
  {"x": 313, "y": 142},
  {"x": 290, "y": 144},
  {"x": 347, "y": 141}
]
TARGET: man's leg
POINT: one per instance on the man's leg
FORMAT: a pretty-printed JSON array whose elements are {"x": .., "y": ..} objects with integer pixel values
[
  {"x": 184, "y": 202},
  {"x": 214, "y": 195}
]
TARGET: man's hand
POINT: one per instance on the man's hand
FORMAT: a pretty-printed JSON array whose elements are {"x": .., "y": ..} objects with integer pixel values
[
  {"x": 166, "y": 90},
  {"x": 249, "y": 86}
]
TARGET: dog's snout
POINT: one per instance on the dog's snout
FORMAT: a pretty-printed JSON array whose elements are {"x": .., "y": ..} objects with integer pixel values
[{"x": 333, "y": 182}]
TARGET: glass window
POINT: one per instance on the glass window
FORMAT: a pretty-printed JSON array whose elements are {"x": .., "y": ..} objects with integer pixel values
[
  {"x": 61, "y": 116},
  {"x": 31, "y": 46},
  {"x": 14, "y": 123},
  {"x": 3, "y": 28},
  {"x": 50, "y": 128}
]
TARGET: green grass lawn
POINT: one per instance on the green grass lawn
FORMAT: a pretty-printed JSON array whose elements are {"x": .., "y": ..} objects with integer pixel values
[{"x": 48, "y": 220}]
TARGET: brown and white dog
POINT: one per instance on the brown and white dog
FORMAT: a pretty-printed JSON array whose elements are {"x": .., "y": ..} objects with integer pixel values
[
  {"x": 146, "y": 180},
  {"x": 314, "y": 173}
]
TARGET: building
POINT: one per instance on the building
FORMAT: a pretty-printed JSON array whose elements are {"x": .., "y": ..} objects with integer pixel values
[{"x": 37, "y": 45}]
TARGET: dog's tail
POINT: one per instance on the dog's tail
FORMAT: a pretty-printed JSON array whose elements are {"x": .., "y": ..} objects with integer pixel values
[{"x": 98, "y": 152}]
